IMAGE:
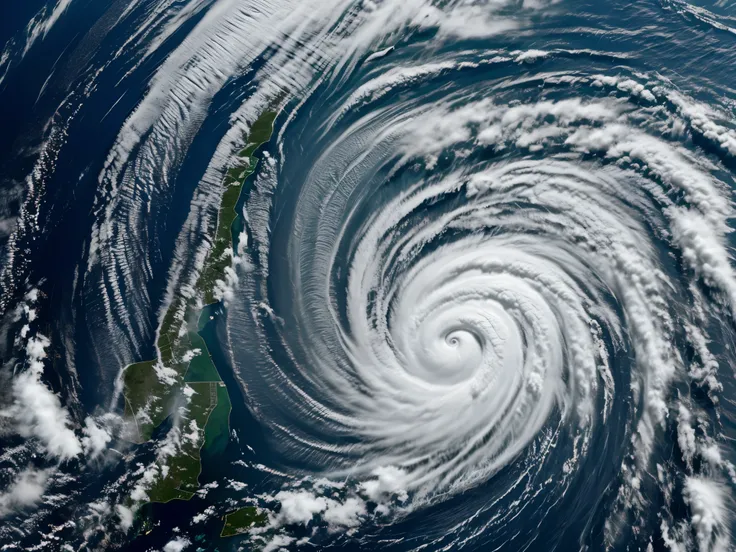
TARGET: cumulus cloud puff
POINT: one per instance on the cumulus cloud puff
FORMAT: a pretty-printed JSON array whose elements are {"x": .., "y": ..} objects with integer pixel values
[
  {"x": 25, "y": 491},
  {"x": 711, "y": 516},
  {"x": 37, "y": 411},
  {"x": 177, "y": 545}
]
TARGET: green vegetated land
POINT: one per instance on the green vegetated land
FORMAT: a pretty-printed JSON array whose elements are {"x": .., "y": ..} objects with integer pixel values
[
  {"x": 154, "y": 389},
  {"x": 240, "y": 521}
]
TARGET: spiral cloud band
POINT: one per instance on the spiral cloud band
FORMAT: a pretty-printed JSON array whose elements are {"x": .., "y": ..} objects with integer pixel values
[
  {"x": 393, "y": 275},
  {"x": 491, "y": 282}
]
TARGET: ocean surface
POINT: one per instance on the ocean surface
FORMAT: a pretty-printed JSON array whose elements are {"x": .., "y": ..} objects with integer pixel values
[{"x": 483, "y": 291}]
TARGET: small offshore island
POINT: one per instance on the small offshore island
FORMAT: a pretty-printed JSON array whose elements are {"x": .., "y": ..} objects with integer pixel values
[
  {"x": 154, "y": 389},
  {"x": 238, "y": 522}
]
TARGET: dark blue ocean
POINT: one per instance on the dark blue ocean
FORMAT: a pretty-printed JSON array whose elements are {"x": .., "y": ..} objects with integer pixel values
[{"x": 482, "y": 289}]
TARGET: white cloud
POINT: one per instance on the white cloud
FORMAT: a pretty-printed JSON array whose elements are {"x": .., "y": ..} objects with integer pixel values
[
  {"x": 25, "y": 491},
  {"x": 278, "y": 542},
  {"x": 701, "y": 119},
  {"x": 345, "y": 514},
  {"x": 466, "y": 22},
  {"x": 237, "y": 485},
  {"x": 177, "y": 545},
  {"x": 189, "y": 355},
  {"x": 711, "y": 517},
  {"x": 95, "y": 438},
  {"x": 625, "y": 85},
  {"x": 298, "y": 507},
  {"x": 165, "y": 374},
  {"x": 531, "y": 55},
  {"x": 37, "y": 410},
  {"x": 205, "y": 515},
  {"x": 686, "y": 435},
  {"x": 126, "y": 516},
  {"x": 389, "y": 480},
  {"x": 194, "y": 432},
  {"x": 304, "y": 506}
]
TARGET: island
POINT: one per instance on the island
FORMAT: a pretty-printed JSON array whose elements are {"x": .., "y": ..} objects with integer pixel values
[
  {"x": 184, "y": 373},
  {"x": 240, "y": 521}
]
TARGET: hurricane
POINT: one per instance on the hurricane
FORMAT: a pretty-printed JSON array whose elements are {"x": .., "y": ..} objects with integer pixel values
[{"x": 414, "y": 275}]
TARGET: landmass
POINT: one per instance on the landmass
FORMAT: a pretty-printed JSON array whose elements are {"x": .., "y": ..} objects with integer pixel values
[
  {"x": 154, "y": 390},
  {"x": 240, "y": 521}
]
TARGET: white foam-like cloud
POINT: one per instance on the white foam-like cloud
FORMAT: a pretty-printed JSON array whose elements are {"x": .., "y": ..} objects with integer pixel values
[
  {"x": 25, "y": 491},
  {"x": 278, "y": 542},
  {"x": 177, "y": 545},
  {"x": 204, "y": 515},
  {"x": 298, "y": 507},
  {"x": 389, "y": 480},
  {"x": 686, "y": 435},
  {"x": 317, "y": 505},
  {"x": 711, "y": 514},
  {"x": 37, "y": 411},
  {"x": 95, "y": 438},
  {"x": 341, "y": 515},
  {"x": 468, "y": 21},
  {"x": 125, "y": 517}
]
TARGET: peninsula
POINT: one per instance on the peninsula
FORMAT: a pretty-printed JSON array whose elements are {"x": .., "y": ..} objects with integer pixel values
[{"x": 184, "y": 373}]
